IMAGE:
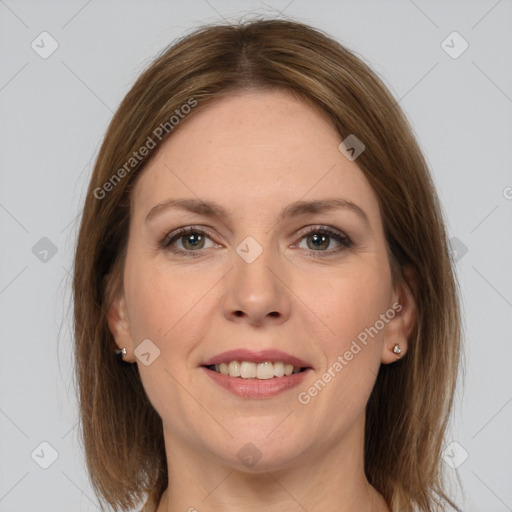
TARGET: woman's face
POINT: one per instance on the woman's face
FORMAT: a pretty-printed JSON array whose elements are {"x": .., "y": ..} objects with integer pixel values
[{"x": 285, "y": 262}]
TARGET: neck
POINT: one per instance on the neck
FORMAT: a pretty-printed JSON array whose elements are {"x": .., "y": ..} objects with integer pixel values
[{"x": 330, "y": 481}]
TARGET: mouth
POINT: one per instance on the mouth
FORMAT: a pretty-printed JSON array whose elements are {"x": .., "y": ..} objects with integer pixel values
[
  {"x": 249, "y": 370},
  {"x": 256, "y": 374}
]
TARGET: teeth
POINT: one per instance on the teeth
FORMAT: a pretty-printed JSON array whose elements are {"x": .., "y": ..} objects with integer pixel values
[
  {"x": 265, "y": 371},
  {"x": 234, "y": 369},
  {"x": 278, "y": 369},
  {"x": 249, "y": 370}
]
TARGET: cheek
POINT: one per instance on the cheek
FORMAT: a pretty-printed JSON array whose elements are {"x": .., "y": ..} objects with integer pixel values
[
  {"x": 150, "y": 307},
  {"x": 351, "y": 300},
  {"x": 161, "y": 297},
  {"x": 163, "y": 307},
  {"x": 353, "y": 346}
]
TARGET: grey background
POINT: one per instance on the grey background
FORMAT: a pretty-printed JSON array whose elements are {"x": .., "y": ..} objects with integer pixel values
[{"x": 54, "y": 113}]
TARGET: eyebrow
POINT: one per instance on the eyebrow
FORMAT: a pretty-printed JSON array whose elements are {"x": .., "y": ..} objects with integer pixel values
[{"x": 213, "y": 209}]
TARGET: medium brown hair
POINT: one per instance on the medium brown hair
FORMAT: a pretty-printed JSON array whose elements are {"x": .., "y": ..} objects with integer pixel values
[{"x": 409, "y": 408}]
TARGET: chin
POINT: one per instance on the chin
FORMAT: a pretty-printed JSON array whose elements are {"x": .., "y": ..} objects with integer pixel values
[{"x": 255, "y": 451}]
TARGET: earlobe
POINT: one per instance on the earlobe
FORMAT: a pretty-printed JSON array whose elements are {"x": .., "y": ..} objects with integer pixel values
[{"x": 400, "y": 328}]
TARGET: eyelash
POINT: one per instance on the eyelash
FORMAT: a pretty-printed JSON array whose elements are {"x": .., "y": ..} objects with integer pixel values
[{"x": 345, "y": 241}]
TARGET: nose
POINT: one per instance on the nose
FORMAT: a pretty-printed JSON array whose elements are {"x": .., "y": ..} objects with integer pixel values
[{"x": 256, "y": 291}]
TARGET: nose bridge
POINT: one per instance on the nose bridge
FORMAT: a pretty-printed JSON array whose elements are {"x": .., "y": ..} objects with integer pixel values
[{"x": 255, "y": 290}]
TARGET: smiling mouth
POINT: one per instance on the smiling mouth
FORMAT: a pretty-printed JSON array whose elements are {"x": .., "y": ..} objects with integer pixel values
[{"x": 249, "y": 370}]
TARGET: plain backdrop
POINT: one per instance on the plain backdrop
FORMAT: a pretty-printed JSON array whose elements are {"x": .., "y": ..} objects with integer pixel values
[{"x": 54, "y": 109}]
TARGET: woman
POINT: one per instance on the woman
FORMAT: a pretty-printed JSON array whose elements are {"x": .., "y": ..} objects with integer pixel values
[{"x": 262, "y": 246}]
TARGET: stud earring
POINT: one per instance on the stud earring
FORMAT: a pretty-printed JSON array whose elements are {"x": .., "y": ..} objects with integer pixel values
[
  {"x": 397, "y": 350},
  {"x": 121, "y": 352}
]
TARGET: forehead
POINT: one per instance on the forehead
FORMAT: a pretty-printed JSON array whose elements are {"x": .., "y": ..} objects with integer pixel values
[{"x": 255, "y": 149}]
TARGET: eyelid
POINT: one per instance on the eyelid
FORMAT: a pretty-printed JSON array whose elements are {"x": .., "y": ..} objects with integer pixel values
[
  {"x": 182, "y": 231},
  {"x": 343, "y": 239},
  {"x": 322, "y": 228}
]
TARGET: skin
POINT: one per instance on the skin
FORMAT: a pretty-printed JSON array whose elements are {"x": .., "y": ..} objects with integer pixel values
[{"x": 255, "y": 153}]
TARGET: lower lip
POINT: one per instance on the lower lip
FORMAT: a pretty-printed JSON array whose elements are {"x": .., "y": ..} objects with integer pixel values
[{"x": 256, "y": 388}]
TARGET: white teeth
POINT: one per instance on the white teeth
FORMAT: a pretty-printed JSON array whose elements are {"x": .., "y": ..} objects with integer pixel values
[
  {"x": 247, "y": 370},
  {"x": 250, "y": 370},
  {"x": 234, "y": 369},
  {"x": 265, "y": 371},
  {"x": 278, "y": 369}
]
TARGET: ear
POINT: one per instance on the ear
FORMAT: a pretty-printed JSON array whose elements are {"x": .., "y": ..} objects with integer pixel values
[
  {"x": 401, "y": 325},
  {"x": 119, "y": 326}
]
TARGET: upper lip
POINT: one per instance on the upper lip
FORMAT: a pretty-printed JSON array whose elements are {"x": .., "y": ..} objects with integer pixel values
[{"x": 259, "y": 356}]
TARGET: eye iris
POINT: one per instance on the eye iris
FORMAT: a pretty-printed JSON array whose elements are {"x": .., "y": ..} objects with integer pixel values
[
  {"x": 319, "y": 240},
  {"x": 194, "y": 239}
]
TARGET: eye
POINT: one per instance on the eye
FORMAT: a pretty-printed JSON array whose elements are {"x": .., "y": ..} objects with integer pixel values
[
  {"x": 190, "y": 239},
  {"x": 320, "y": 238}
]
